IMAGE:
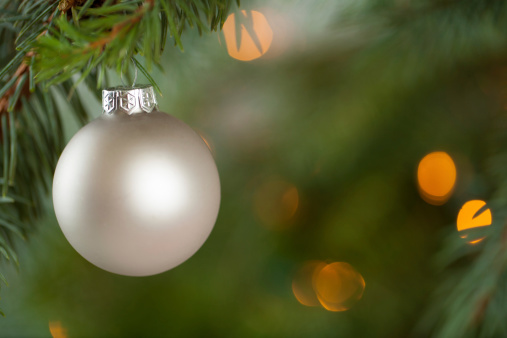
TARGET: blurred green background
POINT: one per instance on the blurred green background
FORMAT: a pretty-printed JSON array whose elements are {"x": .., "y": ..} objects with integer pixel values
[{"x": 317, "y": 143}]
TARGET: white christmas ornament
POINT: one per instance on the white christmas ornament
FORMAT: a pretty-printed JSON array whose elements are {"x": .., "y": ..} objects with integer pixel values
[{"x": 136, "y": 191}]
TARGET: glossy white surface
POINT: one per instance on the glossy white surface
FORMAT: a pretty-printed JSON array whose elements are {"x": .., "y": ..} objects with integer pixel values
[{"x": 136, "y": 194}]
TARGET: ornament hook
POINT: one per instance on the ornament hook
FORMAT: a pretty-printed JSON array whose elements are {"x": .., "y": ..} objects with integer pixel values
[{"x": 135, "y": 72}]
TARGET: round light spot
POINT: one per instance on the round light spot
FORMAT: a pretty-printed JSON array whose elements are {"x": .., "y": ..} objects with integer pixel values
[
  {"x": 472, "y": 218},
  {"x": 276, "y": 202},
  {"x": 255, "y": 35},
  {"x": 339, "y": 286},
  {"x": 303, "y": 283},
  {"x": 436, "y": 177}
]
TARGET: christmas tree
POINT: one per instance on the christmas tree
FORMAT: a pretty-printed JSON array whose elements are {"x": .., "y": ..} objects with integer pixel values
[{"x": 360, "y": 152}]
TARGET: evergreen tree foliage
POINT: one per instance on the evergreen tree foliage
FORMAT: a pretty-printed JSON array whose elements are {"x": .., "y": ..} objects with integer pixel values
[{"x": 352, "y": 116}]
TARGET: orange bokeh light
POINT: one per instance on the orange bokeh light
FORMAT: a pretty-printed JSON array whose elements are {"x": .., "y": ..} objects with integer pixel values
[
  {"x": 338, "y": 286},
  {"x": 57, "y": 330},
  {"x": 473, "y": 215},
  {"x": 276, "y": 202},
  {"x": 303, "y": 283},
  {"x": 436, "y": 176},
  {"x": 246, "y": 49}
]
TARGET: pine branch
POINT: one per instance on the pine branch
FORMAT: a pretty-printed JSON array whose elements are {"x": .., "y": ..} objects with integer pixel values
[{"x": 107, "y": 35}]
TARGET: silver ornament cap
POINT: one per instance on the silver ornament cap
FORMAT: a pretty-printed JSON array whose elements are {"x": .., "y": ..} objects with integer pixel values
[{"x": 130, "y": 100}]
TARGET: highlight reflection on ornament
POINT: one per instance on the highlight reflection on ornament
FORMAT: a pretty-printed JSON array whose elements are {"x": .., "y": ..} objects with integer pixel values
[
  {"x": 155, "y": 186},
  {"x": 436, "y": 176},
  {"x": 208, "y": 142},
  {"x": 255, "y": 39},
  {"x": 473, "y": 216}
]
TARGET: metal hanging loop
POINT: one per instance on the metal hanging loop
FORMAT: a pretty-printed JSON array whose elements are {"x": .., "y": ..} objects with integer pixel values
[{"x": 135, "y": 72}]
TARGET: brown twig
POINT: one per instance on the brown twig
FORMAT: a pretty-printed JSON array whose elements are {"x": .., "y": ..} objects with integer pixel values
[
  {"x": 22, "y": 69},
  {"x": 4, "y": 100},
  {"x": 117, "y": 29},
  {"x": 65, "y": 5}
]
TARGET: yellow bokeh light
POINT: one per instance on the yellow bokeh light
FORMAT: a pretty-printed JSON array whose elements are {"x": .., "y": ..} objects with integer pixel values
[
  {"x": 303, "y": 283},
  {"x": 338, "y": 286},
  {"x": 476, "y": 241},
  {"x": 57, "y": 330},
  {"x": 436, "y": 176},
  {"x": 473, "y": 215},
  {"x": 246, "y": 49},
  {"x": 276, "y": 202}
]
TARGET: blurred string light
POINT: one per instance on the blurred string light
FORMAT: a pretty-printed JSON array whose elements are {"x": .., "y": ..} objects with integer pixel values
[
  {"x": 255, "y": 37},
  {"x": 275, "y": 202},
  {"x": 473, "y": 214},
  {"x": 339, "y": 286},
  {"x": 57, "y": 330},
  {"x": 436, "y": 176},
  {"x": 336, "y": 286},
  {"x": 304, "y": 279}
]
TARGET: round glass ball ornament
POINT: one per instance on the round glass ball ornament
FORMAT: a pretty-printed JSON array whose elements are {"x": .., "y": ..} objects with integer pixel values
[{"x": 136, "y": 191}]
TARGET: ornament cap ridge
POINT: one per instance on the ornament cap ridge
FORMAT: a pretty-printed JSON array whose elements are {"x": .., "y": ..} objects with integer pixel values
[{"x": 130, "y": 100}]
